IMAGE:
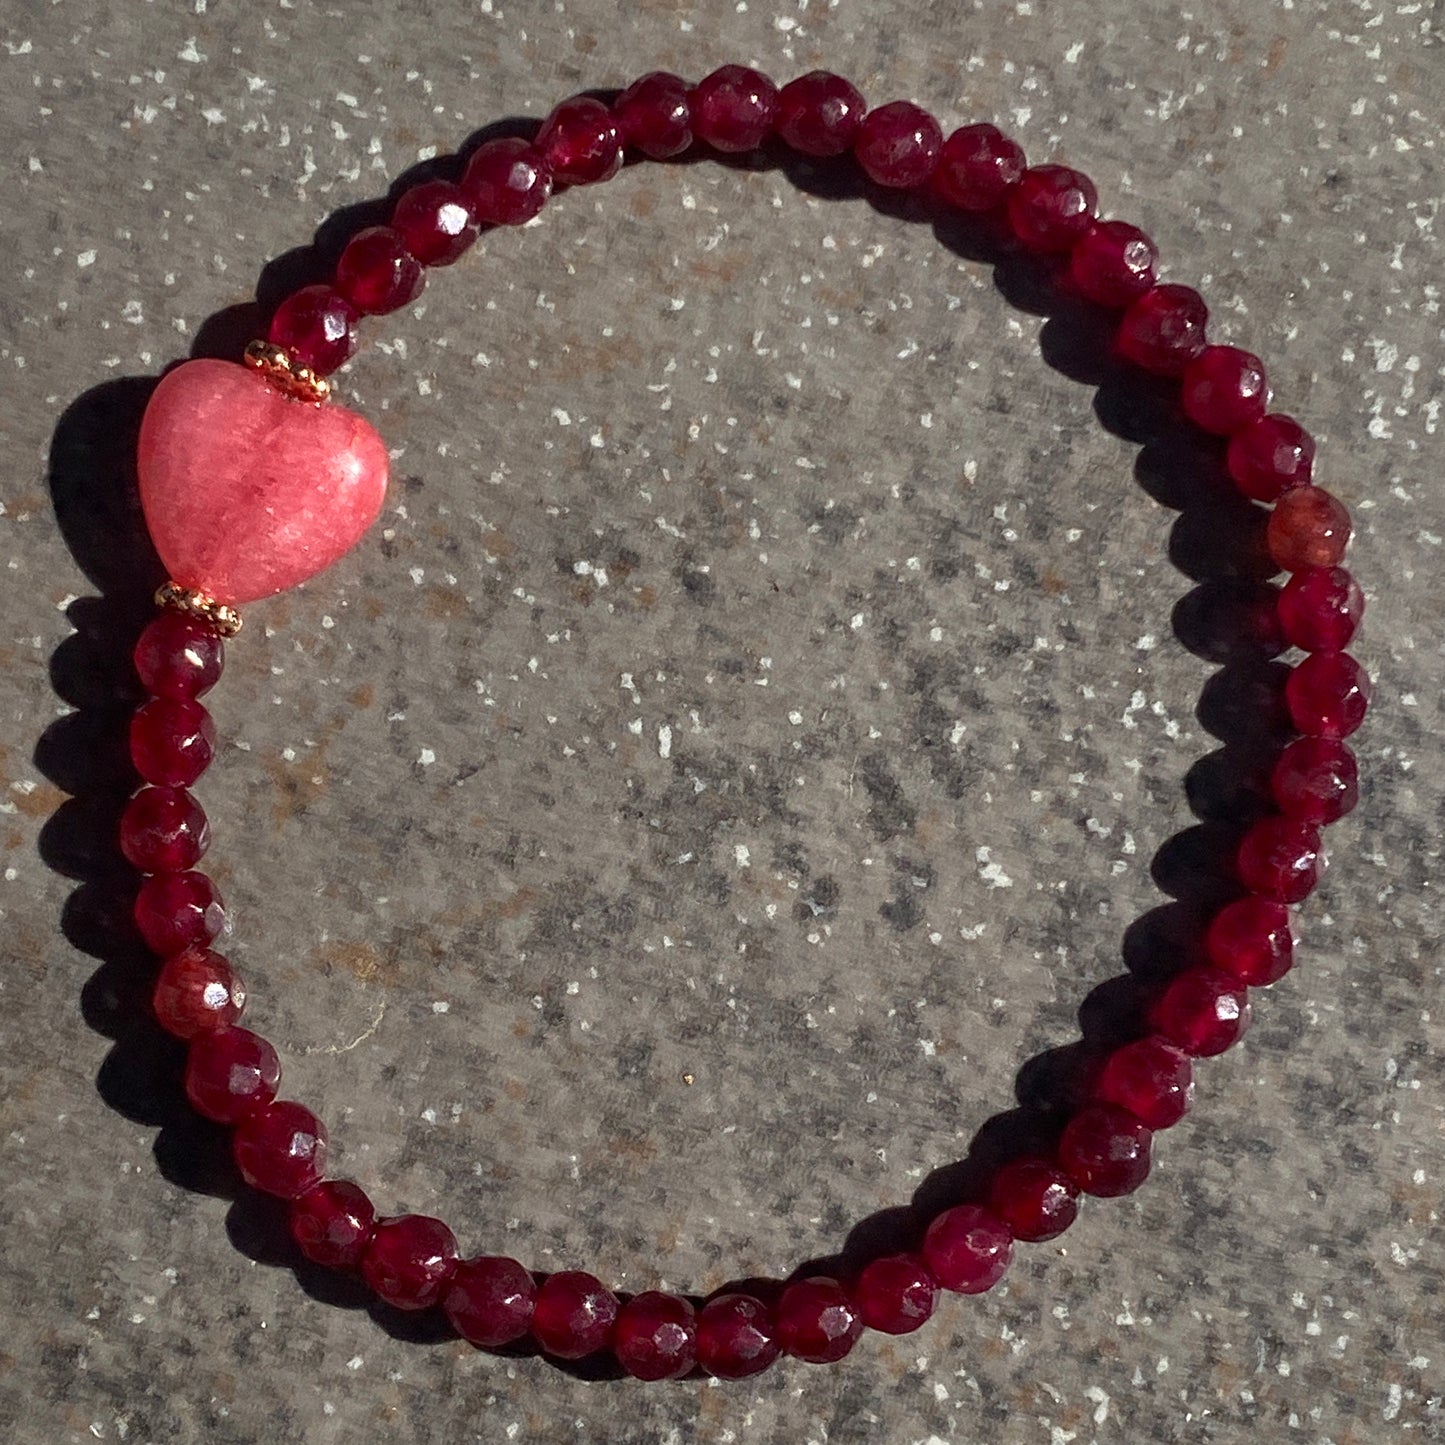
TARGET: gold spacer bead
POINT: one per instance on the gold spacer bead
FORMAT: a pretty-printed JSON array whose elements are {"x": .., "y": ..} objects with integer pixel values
[
  {"x": 285, "y": 373},
  {"x": 194, "y": 603}
]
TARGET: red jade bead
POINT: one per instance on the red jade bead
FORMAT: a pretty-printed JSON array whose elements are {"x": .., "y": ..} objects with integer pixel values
[
  {"x": 332, "y": 1222},
  {"x": 281, "y": 1149},
  {"x": 1052, "y": 207},
  {"x": 1320, "y": 608},
  {"x": 1251, "y": 939},
  {"x": 1034, "y": 1198},
  {"x": 736, "y": 1337},
  {"x": 178, "y": 656},
  {"x": 1328, "y": 695},
  {"x": 436, "y": 222},
  {"x": 1224, "y": 389},
  {"x": 1316, "y": 780},
  {"x": 968, "y": 1249},
  {"x": 581, "y": 142},
  {"x": 1280, "y": 858},
  {"x": 654, "y": 115},
  {"x": 1163, "y": 331},
  {"x": 978, "y": 165},
  {"x": 656, "y": 1337},
  {"x": 898, "y": 144},
  {"x": 175, "y": 911},
  {"x": 507, "y": 181},
  {"x": 197, "y": 992},
  {"x": 1105, "y": 1150},
  {"x": 1270, "y": 456},
  {"x": 409, "y": 1259},
  {"x": 317, "y": 325},
  {"x": 1113, "y": 263},
  {"x": 172, "y": 741},
  {"x": 895, "y": 1294},
  {"x": 734, "y": 108},
  {"x": 163, "y": 830},
  {"x": 231, "y": 1073},
  {"x": 490, "y": 1300},
  {"x": 1204, "y": 1012},
  {"x": 574, "y": 1315},
  {"x": 1308, "y": 528},
  {"x": 377, "y": 274},
  {"x": 817, "y": 1322},
  {"x": 819, "y": 113},
  {"x": 1150, "y": 1078}
]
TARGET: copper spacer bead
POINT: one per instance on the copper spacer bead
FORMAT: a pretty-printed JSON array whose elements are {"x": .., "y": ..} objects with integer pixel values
[
  {"x": 204, "y": 608},
  {"x": 285, "y": 373}
]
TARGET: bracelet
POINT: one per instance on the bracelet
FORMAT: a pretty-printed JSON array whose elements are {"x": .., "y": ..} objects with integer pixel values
[{"x": 252, "y": 480}]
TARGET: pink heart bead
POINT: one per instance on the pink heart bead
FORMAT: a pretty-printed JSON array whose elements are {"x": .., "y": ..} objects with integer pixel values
[{"x": 246, "y": 492}]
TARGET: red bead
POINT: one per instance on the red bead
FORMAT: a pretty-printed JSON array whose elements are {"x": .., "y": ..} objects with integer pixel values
[
  {"x": 1113, "y": 263},
  {"x": 332, "y": 1222},
  {"x": 819, "y": 113},
  {"x": 736, "y": 1337},
  {"x": 1150, "y": 1078},
  {"x": 1328, "y": 695},
  {"x": 1251, "y": 940},
  {"x": 163, "y": 830},
  {"x": 172, "y": 741},
  {"x": 490, "y": 1300},
  {"x": 1279, "y": 858},
  {"x": 817, "y": 1322},
  {"x": 435, "y": 222},
  {"x": 654, "y": 115},
  {"x": 1163, "y": 331},
  {"x": 1105, "y": 1150},
  {"x": 898, "y": 144},
  {"x": 1316, "y": 780},
  {"x": 178, "y": 656},
  {"x": 1034, "y": 1198},
  {"x": 196, "y": 992},
  {"x": 1051, "y": 207},
  {"x": 1308, "y": 528},
  {"x": 734, "y": 108},
  {"x": 895, "y": 1294},
  {"x": 1224, "y": 389},
  {"x": 978, "y": 165},
  {"x": 574, "y": 1315},
  {"x": 231, "y": 1073},
  {"x": 175, "y": 911},
  {"x": 656, "y": 1337},
  {"x": 968, "y": 1249},
  {"x": 1320, "y": 608},
  {"x": 508, "y": 182},
  {"x": 1270, "y": 456},
  {"x": 409, "y": 1259},
  {"x": 317, "y": 325},
  {"x": 580, "y": 142},
  {"x": 377, "y": 274},
  {"x": 281, "y": 1149},
  {"x": 1203, "y": 1011}
]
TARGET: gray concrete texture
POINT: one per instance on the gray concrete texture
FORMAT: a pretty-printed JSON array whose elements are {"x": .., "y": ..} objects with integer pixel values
[{"x": 791, "y": 660}]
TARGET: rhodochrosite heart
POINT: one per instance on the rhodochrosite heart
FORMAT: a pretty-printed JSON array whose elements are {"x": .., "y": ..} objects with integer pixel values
[{"x": 247, "y": 492}]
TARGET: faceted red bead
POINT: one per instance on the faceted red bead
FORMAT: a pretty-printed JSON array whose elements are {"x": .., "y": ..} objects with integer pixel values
[
  {"x": 377, "y": 274},
  {"x": 1051, "y": 207},
  {"x": 317, "y": 325},
  {"x": 1328, "y": 694},
  {"x": 736, "y": 1337},
  {"x": 1270, "y": 456},
  {"x": 1113, "y": 263},
  {"x": 281, "y": 1149},
  {"x": 435, "y": 222},
  {"x": 978, "y": 165},
  {"x": 332, "y": 1222},
  {"x": 1204, "y": 1011},
  {"x": 1150, "y": 1078},
  {"x": 1280, "y": 858},
  {"x": 1308, "y": 528},
  {"x": 898, "y": 144},
  {"x": 819, "y": 113},
  {"x": 172, "y": 741},
  {"x": 409, "y": 1259},
  {"x": 574, "y": 1315},
  {"x": 1163, "y": 331},
  {"x": 1034, "y": 1198},
  {"x": 163, "y": 830},
  {"x": 178, "y": 656},
  {"x": 895, "y": 1294},
  {"x": 968, "y": 1249},
  {"x": 231, "y": 1073},
  {"x": 196, "y": 992},
  {"x": 656, "y": 1337},
  {"x": 1105, "y": 1150},
  {"x": 734, "y": 108},
  {"x": 175, "y": 911},
  {"x": 1320, "y": 608},
  {"x": 817, "y": 1322},
  {"x": 654, "y": 115},
  {"x": 508, "y": 181},
  {"x": 581, "y": 142},
  {"x": 1251, "y": 939},
  {"x": 490, "y": 1300},
  {"x": 1316, "y": 780},
  {"x": 1224, "y": 389}
]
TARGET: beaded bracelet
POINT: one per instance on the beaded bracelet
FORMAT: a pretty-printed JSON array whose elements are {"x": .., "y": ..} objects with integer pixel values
[{"x": 250, "y": 483}]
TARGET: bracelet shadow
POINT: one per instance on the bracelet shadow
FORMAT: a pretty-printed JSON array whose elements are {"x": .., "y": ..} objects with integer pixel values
[{"x": 1227, "y": 618}]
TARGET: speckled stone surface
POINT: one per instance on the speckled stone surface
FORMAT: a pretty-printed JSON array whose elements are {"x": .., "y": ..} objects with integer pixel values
[{"x": 779, "y": 667}]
